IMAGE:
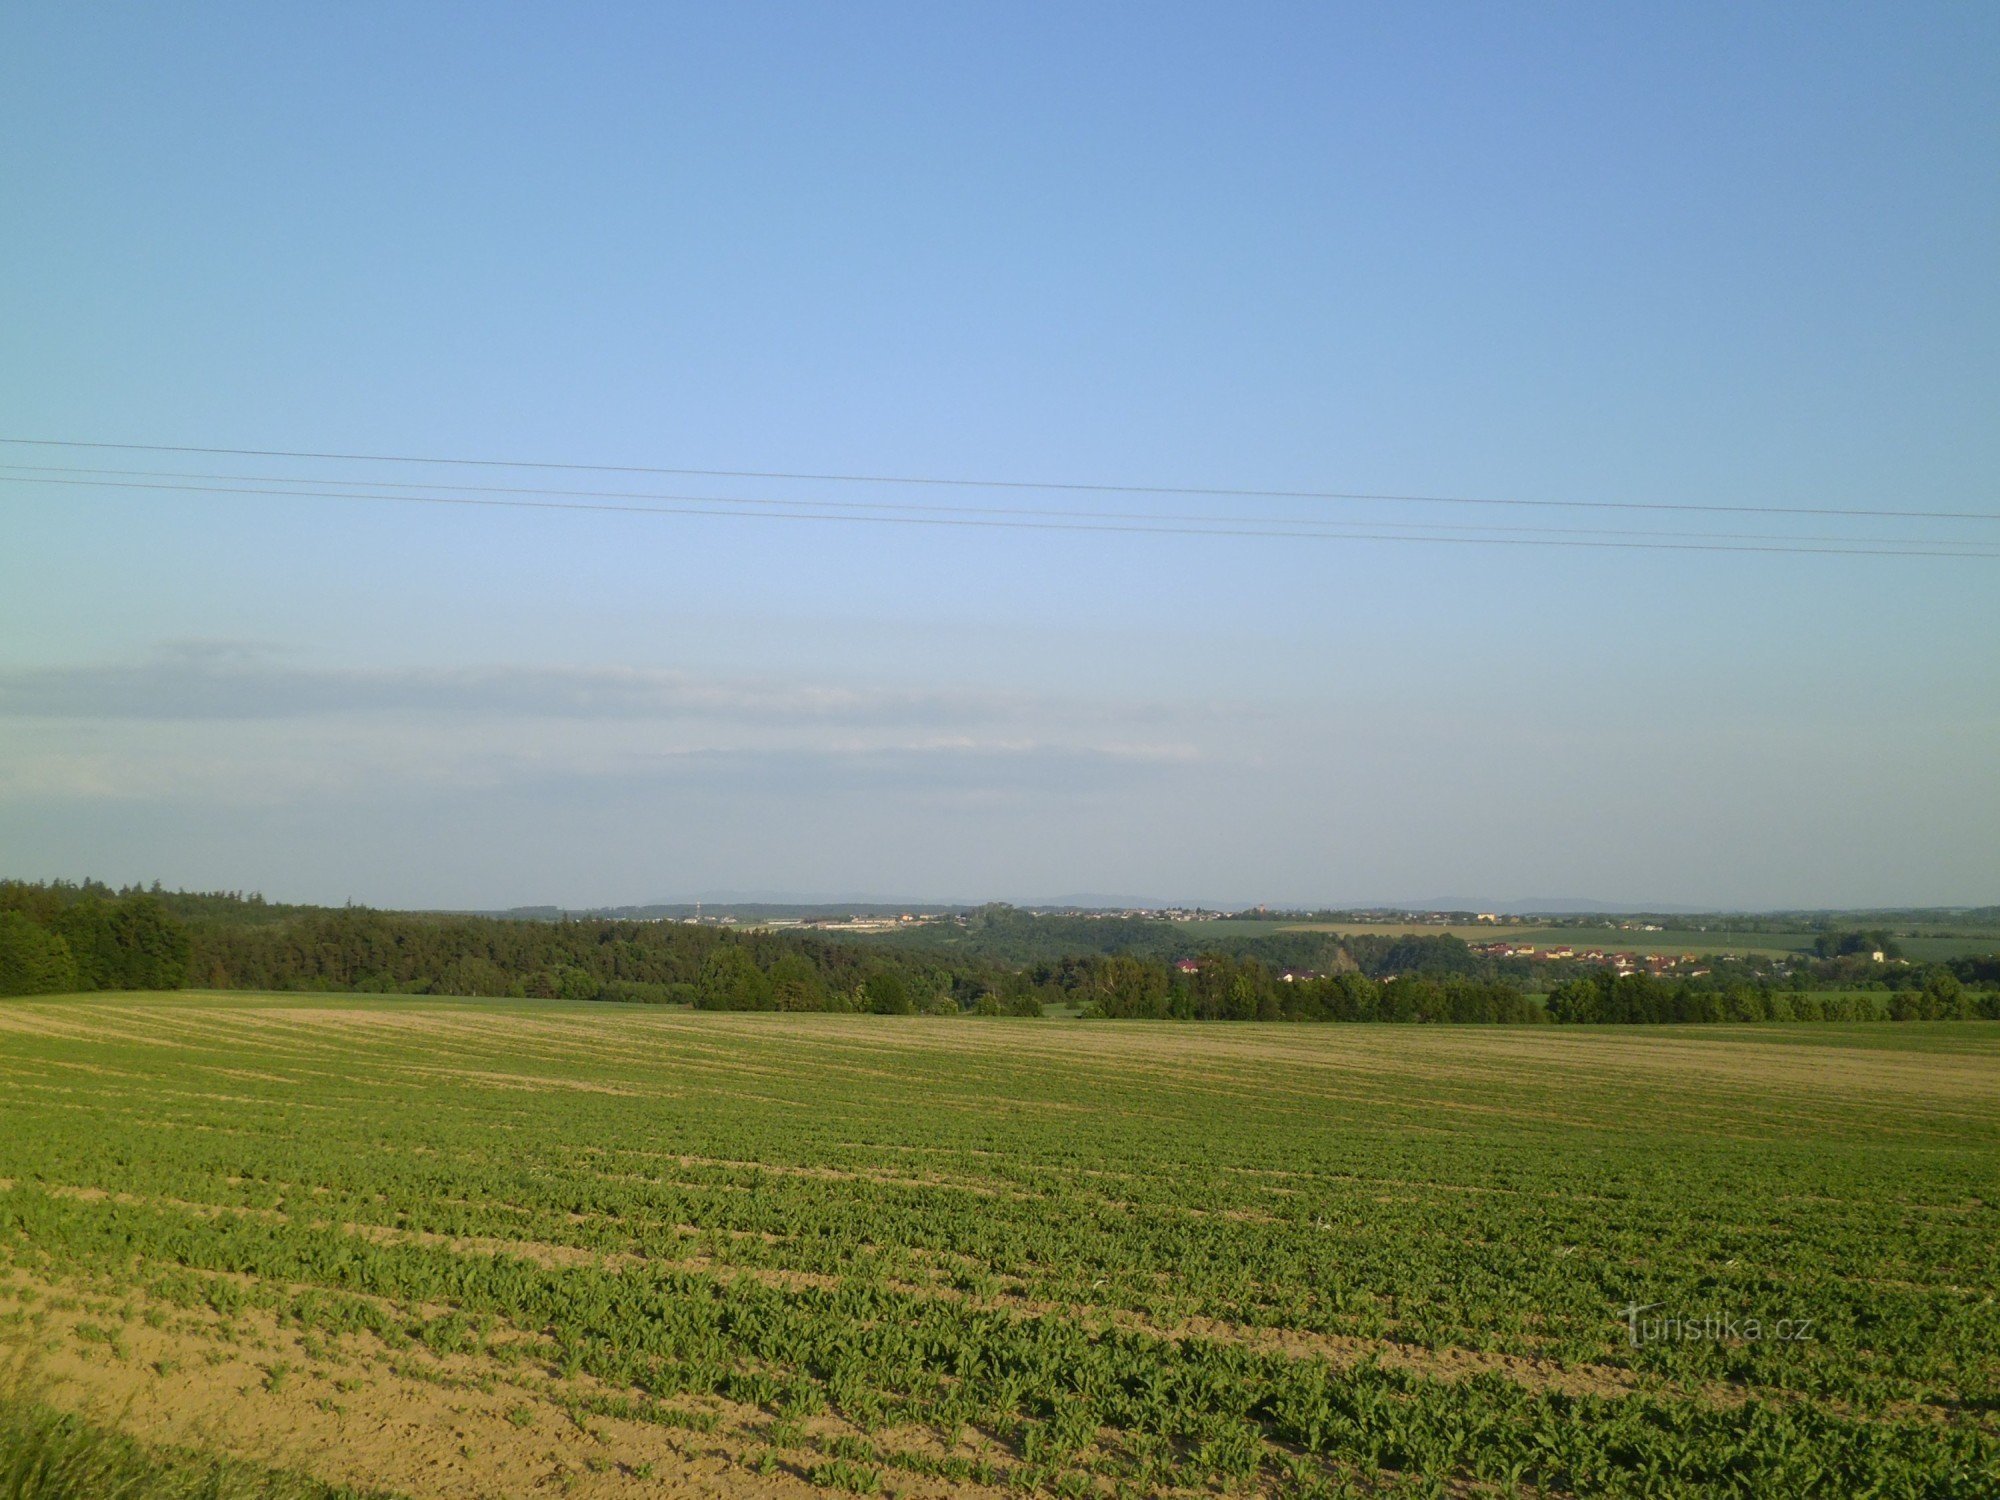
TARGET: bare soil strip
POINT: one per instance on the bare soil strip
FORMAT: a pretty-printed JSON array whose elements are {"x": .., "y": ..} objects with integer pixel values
[{"x": 415, "y": 1423}]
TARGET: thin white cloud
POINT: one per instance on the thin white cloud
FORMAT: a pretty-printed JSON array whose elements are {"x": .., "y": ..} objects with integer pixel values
[
  {"x": 232, "y": 681},
  {"x": 265, "y": 768},
  {"x": 224, "y": 723}
]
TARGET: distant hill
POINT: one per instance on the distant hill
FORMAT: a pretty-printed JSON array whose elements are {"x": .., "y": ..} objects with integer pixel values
[
  {"x": 1098, "y": 902},
  {"x": 768, "y": 906},
  {"x": 1569, "y": 906},
  {"x": 741, "y": 911}
]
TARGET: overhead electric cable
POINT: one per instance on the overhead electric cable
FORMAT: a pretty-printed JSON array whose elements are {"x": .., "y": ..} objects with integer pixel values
[
  {"x": 701, "y": 506},
  {"x": 33, "y": 473},
  {"x": 1006, "y": 484}
]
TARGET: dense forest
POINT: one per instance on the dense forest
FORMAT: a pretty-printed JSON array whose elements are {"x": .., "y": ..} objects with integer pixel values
[
  {"x": 59, "y": 937},
  {"x": 50, "y": 943}
]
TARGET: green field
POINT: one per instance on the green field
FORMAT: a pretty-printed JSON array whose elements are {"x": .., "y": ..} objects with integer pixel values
[
  {"x": 465, "y": 1248},
  {"x": 1613, "y": 939},
  {"x": 1672, "y": 940},
  {"x": 1929, "y": 948},
  {"x": 1932, "y": 948}
]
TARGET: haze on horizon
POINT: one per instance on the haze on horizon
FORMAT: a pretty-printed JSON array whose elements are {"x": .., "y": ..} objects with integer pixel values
[{"x": 1704, "y": 256}]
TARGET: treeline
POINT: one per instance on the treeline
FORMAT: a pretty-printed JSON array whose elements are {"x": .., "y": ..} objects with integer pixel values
[
  {"x": 1219, "y": 987},
  {"x": 77, "y": 938},
  {"x": 650, "y": 962},
  {"x": 1639, "y": 999},
  {"x": 60, "y": 937}
]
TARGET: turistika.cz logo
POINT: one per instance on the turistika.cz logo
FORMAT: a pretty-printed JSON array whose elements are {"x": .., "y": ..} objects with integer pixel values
[{"x": 1709, "y": 1328}]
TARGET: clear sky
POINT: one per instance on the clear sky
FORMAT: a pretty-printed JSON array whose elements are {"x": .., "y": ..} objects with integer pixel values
[{"x": 1719, "y": 255}]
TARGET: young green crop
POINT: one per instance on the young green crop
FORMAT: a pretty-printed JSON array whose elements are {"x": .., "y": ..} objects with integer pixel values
[{"x": 1298, "y": 1259}]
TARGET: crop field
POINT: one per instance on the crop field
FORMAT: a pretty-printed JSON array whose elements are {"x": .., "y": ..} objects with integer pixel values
[
  {"x": 500, "y": 1248},
  {"x": 1669, "y": 940},
  {"x": 1928, "y": 948},
  {"x": 1932, "y": 947},
  {"x": 1925, "y": 949},
  {"x": 1674, "y": 940}
]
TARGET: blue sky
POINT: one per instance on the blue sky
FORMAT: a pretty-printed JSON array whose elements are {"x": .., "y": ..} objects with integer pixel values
[{"x": 1707, "y": 255}]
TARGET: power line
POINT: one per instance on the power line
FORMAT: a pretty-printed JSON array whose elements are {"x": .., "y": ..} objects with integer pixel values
[
  {"x": 701, "y": 506},
  {"x": 201, "y": 482},
  {"x": 1072, "y": 487}
]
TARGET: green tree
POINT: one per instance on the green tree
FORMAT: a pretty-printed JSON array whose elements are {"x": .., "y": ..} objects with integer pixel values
[
  {"x": 796, "y": 985},
  {"x": 86, "y": 927},
  {"x": 152, "y": 947},
  {"x": 33, "y": 961},
  {"x": 889, "y": 996},
  {"x": 471, "y": 975},
  {"x": 731, "y": 980},
  {"x": 573, "y": 983},
  {"x": 131, "y": 943},
  {"x": 1130, "y": 986},
  {"x": 1945, "y": 998}
]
